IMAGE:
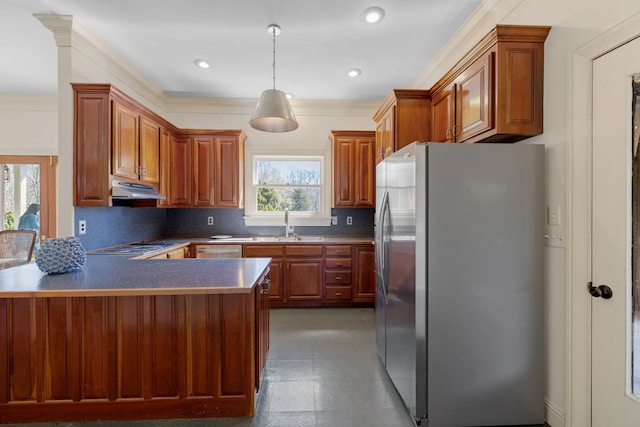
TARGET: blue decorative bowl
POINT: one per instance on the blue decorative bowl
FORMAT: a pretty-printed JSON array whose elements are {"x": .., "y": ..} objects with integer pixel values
[{"x": 61, "y": 255}]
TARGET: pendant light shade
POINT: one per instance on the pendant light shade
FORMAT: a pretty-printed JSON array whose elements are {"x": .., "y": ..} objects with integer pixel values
[{"x": 274, "y": 113}]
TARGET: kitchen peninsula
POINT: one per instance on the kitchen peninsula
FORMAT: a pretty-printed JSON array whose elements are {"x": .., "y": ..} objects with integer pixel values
[{"x": 130, "y": 339}]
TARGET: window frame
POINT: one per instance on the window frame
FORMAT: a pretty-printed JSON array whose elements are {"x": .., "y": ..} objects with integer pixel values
[{"x": 276, "y": 218}]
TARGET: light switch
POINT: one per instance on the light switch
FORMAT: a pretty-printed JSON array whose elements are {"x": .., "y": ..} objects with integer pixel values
[{"x": 553, "y": 215}]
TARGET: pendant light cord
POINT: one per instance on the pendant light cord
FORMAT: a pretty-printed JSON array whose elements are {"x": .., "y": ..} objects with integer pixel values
[{"x": 273, "y": 32}]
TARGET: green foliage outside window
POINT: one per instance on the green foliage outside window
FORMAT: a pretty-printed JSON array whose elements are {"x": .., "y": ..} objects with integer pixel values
[
  {"x": 9, "y": 220},
  {"x": 293, "y": 185}
]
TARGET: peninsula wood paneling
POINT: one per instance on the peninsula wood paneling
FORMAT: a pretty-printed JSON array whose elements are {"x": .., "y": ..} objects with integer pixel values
[{"x": 127, "y": 357}]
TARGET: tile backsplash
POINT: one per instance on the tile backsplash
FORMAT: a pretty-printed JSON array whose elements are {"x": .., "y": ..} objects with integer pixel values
[{"x": 107, "y": 226}]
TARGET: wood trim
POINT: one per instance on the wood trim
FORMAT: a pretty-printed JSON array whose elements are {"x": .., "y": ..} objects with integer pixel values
[
  {"x": 48, "y": 200},
  {"x": 501, "y": 33}
]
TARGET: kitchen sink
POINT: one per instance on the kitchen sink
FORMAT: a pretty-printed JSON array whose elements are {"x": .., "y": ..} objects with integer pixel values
[{"x": 289, "y": 239}]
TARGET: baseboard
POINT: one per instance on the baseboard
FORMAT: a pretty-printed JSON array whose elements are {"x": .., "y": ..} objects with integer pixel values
[{"x": 553, "y": 415}]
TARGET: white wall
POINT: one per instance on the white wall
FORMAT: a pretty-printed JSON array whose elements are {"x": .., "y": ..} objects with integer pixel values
[{"x": 28, "y": 125}]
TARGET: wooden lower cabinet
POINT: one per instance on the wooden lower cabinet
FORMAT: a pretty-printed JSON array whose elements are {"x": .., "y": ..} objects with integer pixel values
[
  {"x": 131, "y": 357},
  {"x": 330, "y": 275},
  {"x": 303, "y": 279},
  {"x": 262, "y": 328},
  {"x": 364, "y": 274}
]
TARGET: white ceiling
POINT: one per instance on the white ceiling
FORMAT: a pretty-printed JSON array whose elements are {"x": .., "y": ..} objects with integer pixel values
[{"x": 320, "y": 41}]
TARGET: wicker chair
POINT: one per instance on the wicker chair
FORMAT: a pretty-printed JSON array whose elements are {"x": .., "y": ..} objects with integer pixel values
[{"x": 16, "y": 247}]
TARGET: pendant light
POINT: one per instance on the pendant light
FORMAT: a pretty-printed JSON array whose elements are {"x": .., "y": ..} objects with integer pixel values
[{"x": 274, "y": 113}]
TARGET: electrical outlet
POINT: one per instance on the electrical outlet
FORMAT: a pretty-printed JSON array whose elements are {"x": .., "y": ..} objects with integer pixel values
[
  {"x": 349, "y": 220},
  {"x": 209, "y": 220},
  {"x": 334, "y": 220},
  {"x": 82, "y": 227}
]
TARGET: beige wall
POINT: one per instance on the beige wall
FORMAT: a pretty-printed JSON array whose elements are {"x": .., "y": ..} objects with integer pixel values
[{"x": 28, "y": 125}]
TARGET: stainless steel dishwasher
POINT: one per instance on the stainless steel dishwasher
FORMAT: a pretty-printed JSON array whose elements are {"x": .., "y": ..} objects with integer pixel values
[{"x": 218, "y": 251}]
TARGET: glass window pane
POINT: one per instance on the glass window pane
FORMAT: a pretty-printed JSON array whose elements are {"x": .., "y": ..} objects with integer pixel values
[
  {"x": 288, "y": 172},
  {"x": 296, "y": 199},
  {"x": 20, "y": 196}
]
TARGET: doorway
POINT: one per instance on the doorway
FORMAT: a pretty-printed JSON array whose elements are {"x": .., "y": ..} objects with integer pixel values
[
  {"x": 28, "y": 185},
  {"x": 614, "y": 228}
]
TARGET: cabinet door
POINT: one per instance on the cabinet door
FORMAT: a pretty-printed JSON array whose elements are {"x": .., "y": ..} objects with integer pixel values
[
  {"x": 125, "y": 142},
  {"x": 180, "y": 172},
  {"x": 203, "y": 164},
  {"x": 304, "y": 279},
  {"x": 92, "y": 144},
  {"x": 474, "y": 99},
  {"x": 442, "y": 115},
  {"x": 364, "y": 274},
  {"x": 344, "y": 169},
  {"x": 165, "y": 167},
  {"x": 276, "y": 269},
  {"x": 388, "y": 145},
  {"x": 149, "y": 151},
  {"x": 227, "y": 172},
  {"x": 380, "y": 139},
  {"x": 364, "y": 178}
]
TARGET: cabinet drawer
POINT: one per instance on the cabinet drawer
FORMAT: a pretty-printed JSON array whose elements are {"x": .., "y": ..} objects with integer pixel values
[
  {"x": 337, "y": 276},
  {"x": 338, "y": 262},
  {"x": 337, "y": 292},
  {"x": 263, "y": 250},
  {"x": 338, "y": 250},
  {"x": 303, "y": 250}
]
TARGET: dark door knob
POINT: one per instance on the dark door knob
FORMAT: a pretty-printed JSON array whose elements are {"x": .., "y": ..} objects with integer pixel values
[{"x": 602, "y": 291}]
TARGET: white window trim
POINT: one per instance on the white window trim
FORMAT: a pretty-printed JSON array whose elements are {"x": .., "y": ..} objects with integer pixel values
[{"x": 254, "y": 218}]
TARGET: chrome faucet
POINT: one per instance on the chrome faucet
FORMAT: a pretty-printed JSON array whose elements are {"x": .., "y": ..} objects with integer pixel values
[{"x": 287, "y": 228}]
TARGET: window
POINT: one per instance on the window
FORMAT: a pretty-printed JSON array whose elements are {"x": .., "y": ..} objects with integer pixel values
[
  {"x": 28, "y": 182},
  {"x": 279, "y": 180}
]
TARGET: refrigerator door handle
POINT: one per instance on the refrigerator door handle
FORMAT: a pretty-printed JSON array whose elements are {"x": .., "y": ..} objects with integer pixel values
[{"x": 381, "y": 246}]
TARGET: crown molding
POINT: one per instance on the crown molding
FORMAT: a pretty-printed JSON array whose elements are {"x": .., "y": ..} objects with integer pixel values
[
  {"x": 247, "y": 107},
  {"x": 484, "y": 19}
]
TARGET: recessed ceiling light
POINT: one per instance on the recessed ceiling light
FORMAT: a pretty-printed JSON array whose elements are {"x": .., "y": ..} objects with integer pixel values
[
  {"x": 372, "y": 15},
  {"x": 354, "y": 72},
  {"x": 202, "y": 63}
]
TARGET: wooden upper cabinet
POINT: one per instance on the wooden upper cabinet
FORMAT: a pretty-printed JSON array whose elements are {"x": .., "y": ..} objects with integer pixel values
[
  {"x": 125, "y": 142},
  {"x": 353, "y": 168},
  {"x": 218, "y": 168},
  {"x": 203, "y": 170},
  {"x": 92, "y": 147},
  {"x": 403, "y": 117},
  {"x": 180, "y": 172},
  {"x": 136, "y": 146},
  {"x": 495, "y": 92},
  {"x": 474, "y": 99},
  {"x": 443, "y": 114},
  {"x": 149, "y": 151},
  {"x": 115, "y": 137},
  {"x": 229, "y": 170}
]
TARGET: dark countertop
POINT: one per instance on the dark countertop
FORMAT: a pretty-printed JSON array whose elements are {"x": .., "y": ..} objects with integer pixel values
[{"x": 107, "y": 275}]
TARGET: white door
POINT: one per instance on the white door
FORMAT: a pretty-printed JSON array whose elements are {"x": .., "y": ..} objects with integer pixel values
[{"x": 613, "y": 401}]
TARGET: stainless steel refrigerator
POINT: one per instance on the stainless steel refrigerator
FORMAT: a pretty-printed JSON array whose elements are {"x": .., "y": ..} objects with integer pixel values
[{"x": 459, "y": 232}]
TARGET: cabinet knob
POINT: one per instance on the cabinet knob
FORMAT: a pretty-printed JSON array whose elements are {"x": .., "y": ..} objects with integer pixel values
[
  {"x": 338, "y": 294},
  {"x": 338, "y": 277}
]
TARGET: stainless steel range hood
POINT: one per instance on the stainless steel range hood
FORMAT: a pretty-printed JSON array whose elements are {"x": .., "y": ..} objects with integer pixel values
[{"x": 130, "y": 191}]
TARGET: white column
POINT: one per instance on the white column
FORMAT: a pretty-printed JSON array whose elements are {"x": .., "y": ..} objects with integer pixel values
[{"x": 61, "y": 26}]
